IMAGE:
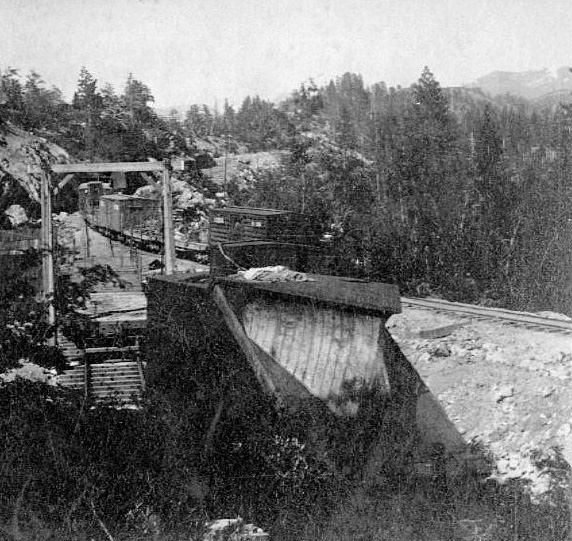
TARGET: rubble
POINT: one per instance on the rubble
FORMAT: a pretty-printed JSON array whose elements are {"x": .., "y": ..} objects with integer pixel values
[
  {"x": 440, "y": 350},
  {"x": 505, "y": 388}
]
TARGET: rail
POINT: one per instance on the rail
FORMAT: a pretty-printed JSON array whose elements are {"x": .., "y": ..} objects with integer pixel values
[{"x": 499, "y": 314}]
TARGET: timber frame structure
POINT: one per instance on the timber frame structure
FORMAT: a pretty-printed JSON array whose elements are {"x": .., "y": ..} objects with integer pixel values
[{"x": 69, "y": 170}]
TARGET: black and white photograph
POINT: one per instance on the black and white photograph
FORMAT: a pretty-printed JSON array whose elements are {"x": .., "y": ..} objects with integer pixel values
[{"x": 285, "y": 270}]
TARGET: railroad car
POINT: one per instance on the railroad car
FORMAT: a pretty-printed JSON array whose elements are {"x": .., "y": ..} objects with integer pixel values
[
  {"x": 129, "y": 219},
  {"x": 119, "y": 212},
  {"x": 137, "y": 221},
  {"x": 89, "y": 194},
  {"x": 244, "y": 224}
]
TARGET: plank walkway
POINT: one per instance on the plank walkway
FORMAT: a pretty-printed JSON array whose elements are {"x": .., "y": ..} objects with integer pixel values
[{"x": 116, "y": 380}]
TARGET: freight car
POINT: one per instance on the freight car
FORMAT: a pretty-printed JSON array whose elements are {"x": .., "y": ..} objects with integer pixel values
[
  {"x": 243, "y": 224},
  {"x": 132, "y": 220},
  {"x": 138, "y": 221}
]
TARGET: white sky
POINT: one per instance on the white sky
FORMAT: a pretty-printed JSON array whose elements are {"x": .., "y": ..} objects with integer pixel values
[{"x": 195, "y": 51}]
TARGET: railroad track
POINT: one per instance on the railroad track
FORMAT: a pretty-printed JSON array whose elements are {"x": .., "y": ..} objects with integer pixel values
[{"x": 509, "y": 317}]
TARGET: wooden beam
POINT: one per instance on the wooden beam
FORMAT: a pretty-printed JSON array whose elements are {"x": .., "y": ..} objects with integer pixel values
[
  {"x": 47, "y": 246},
  {"x": 111, "y": 349},
  {"x": 63, "y": 182},
  {"x": 168, "y": 232},
  {"x": 119, "y": 167}
]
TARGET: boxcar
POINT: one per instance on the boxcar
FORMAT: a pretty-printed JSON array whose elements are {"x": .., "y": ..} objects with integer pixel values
[
  {"x": 118, "y": 212},
  {"x": 243, "y": 224}
]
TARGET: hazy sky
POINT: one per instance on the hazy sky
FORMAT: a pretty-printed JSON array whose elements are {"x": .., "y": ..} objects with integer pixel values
[{"x": 195, "y": 51}]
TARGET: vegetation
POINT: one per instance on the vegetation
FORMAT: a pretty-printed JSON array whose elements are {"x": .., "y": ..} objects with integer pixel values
[
  {"x": 441, "y": 191},
  {"x": 445, "y": 192}
]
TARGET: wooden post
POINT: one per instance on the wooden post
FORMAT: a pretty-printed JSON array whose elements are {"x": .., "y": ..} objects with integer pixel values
[
  {"x": 87, "y": 250},
  {"x": 47, "y": 246},
  {"x": 168, "y": 234}
]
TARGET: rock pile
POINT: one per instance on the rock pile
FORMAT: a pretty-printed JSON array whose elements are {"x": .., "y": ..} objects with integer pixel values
[{"x": 505, "y": 388}]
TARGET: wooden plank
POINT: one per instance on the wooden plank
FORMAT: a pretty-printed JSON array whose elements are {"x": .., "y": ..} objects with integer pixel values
[
  {"x": 118, "y": 167},
  {"x": 63, "y": 182},
  {"x": 111, "y": 349},
  {"x": 327, "y": 350},
  {"x": 438, "y": 332},
  {"x": 244, "y": 341}
]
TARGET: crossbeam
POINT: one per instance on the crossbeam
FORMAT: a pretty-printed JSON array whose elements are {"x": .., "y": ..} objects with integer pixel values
[{"x": 118, "y": 167}]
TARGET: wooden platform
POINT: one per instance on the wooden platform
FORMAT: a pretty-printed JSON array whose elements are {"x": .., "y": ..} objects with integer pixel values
[{"x": 120, "y": 381}]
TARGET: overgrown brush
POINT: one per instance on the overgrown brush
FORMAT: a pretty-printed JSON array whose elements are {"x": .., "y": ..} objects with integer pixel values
[{"x": 72, "y": 471}]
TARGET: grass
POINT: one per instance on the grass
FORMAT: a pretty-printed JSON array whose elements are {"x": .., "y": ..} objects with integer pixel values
[{"x": 121, "y": 475}]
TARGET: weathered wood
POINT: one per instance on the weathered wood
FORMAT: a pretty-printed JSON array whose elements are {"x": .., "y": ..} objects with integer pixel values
[
  {"x": 438, "y": 332},
  {"x": 168, "y": 231},
  {"x": 243, "y": 341},
  {"x": 111, "y": 349},
  {"x": 119, "y": 167},
  {"x": 332, "y": 353},
  {"x": 63, "y": 182}
]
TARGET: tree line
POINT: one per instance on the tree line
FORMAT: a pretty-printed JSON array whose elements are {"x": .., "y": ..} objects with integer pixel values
[
  {"x": 444, "y": 191},
  {"x": 447, "y": 191},
  {"x": 100, "y": 122}
]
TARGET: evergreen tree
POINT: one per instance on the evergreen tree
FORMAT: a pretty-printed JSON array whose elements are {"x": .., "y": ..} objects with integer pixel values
[
  {"x": 194, "y": 122},
  {"x": 11, "y": 96},
  {"x": 87, "y": 104},
  {"x": 137, "y": 97},
  {"x": 42, "y": 108},
  {"x": 229, "y": 118}
]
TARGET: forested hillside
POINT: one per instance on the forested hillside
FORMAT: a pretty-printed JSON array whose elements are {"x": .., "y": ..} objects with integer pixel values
[{"x": 446, "y": 191}]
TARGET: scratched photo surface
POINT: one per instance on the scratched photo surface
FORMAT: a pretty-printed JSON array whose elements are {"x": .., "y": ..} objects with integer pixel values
[{"x": 286, "y": 270}]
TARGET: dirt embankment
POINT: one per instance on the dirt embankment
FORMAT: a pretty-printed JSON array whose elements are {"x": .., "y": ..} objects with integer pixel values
[{"x": 505, "y": 387}]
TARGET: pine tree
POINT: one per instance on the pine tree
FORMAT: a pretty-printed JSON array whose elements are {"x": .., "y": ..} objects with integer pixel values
[
  {"x": 87, "y": 104},
  {"x": 137, "y": 97},
  {"x": 11, "y": 96}
]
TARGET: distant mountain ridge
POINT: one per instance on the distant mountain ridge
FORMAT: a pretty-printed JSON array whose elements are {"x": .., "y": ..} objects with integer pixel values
[{"x": 532, "y": 85}]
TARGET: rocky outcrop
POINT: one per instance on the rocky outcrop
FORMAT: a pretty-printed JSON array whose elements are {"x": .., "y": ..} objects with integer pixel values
[{"x": 18, "y": 151}]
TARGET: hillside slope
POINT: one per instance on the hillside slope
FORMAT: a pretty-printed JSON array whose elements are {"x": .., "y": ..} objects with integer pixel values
[
  {"x": 19, "y": 150},
  {"x": 531, "y": 85}
]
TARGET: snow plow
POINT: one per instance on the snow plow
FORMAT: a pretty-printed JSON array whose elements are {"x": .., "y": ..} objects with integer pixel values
[{"x": 317, "y": 348}]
